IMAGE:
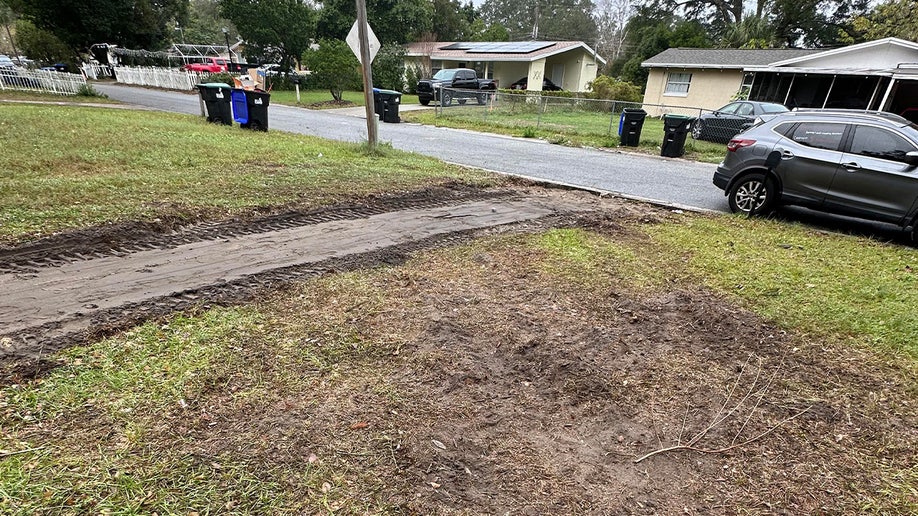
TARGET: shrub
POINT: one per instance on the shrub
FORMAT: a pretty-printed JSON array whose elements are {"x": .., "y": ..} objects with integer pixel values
[
  {"x": 610, "y": 88},
  {"x": 87, "y": 90},
  {"x": 224, "y": 77},
  {"x": 334, "y": 66},
  {"x": 389, "y": 68}
]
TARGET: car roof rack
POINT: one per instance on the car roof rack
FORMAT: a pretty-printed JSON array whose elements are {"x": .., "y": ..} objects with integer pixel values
[{"x": 886, "y": 115}]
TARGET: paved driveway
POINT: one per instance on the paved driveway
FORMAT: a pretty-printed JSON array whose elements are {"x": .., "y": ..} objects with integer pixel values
[{"x": 670, "y": 181}]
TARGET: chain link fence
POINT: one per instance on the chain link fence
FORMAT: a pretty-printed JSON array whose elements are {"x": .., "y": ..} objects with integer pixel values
[
  {"x": 546, "y": 113},
  {"x": 41, "y": 81}
]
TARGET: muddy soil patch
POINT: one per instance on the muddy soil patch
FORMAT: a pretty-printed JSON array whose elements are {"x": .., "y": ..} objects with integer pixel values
[{"x": 493, "y": 387}]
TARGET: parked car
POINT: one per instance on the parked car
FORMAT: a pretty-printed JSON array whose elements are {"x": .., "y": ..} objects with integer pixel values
[
  {"x": 855, "y": 163},
  {"x": 6, "y": 62},
  {"x": 523, "y": 83},
  {"x": 459, "y": 83},
  {"x": 210, "y": 64},
  {"x": 725, "y": 123},
  {"x": 274, "y": 69}
]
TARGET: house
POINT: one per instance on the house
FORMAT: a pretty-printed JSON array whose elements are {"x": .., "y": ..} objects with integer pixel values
[
  {"x": 569, "y": 64},
  {"x": 878, "y": 75}
]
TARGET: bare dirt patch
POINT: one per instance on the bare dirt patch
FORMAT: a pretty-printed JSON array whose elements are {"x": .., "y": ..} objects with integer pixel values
[{"x": 475, "y": 380}]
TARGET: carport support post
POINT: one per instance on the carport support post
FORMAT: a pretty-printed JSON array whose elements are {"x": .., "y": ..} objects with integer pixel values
[{"x": 367, "y": 72}]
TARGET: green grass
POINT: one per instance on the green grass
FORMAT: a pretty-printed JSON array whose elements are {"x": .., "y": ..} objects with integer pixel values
[
  {"x": 851, "y": 288},
  {"x": 561, "y": 125},
  {"x": 48, "y": 97},
  {"x": 77, "y": 166},
  {"x": 308, "y": 97}
]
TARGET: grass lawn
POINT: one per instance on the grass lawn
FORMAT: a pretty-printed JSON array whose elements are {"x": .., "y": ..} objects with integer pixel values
[
  {"x": 48, "y": 97},
  {"x": 562, "y": 125},
  {"x": 68, "y": 167},
  {"x": 308, "y": 97}
]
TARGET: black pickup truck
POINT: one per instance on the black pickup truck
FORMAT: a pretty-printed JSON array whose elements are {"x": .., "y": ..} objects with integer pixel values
[{"x": 455, "y": 83}]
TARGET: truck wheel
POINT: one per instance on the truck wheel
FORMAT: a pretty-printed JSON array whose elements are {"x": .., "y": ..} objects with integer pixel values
[
  {"x": 482, "y": 99},
  {"x": 424, "y": 102},
  {"x": 446, "y": 99}
]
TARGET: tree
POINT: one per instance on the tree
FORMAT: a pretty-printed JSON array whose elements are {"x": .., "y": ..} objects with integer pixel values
[
  {"x": 334, "y": 66},
  {"x": 389, "y": 67},
  {"x": 815, "y": 23},
  {"x": 542, "y": 19},
  {"x": 611, "y": 23},
  {"x": 393, "y": 21},
  {"x": 752, "y": 32},
  {"x": 8, "y": 18},
  {"x": 450, "y": 20},
  {"x": 205, "y": 24},
  {"x": 479, "y": 31},
  {"x": 652, "y": 30},
  {"x": 893, "y": 19},
  {"x": 278, "y": 30},
  {"x": 130, "y": 23},
  {"x": 41, "y": 45}
]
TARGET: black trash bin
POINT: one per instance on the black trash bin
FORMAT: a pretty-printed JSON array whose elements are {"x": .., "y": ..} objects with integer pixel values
[
  {"x": 250, "y": 109},
  {"x": 630, "y": 125},
  {"x": 216, "y": 97},
  {"x": 386, "y": 103},
  {"x": 675, "y": 129}
]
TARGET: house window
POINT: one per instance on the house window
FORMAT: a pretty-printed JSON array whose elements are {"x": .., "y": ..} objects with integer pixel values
[{"x": 678, "y": 84}]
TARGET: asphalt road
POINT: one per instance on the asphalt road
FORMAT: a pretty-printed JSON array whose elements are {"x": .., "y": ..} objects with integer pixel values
[{"x": 675, "y": 182}]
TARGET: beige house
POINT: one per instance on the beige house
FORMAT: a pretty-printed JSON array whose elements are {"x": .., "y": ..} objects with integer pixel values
[
  {"x": 571, "y": 65},
  {"x": 879, "y": 75}
]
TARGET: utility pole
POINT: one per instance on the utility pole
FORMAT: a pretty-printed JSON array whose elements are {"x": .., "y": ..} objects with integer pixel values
[
  {"x": 367, "y": 73},
  {"x": 535, "y": 24}
]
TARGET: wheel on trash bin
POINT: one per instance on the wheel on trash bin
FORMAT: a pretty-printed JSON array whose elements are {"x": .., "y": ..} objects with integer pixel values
[
  {"x": 482, "y": 99},
  {"x": 425, "y": 102},
  {"x": 461, "y": 101},
  {"x": 447, "y": 98},
  {"x": 747, "y": 193},
  {"x": 698, "y": 130}
]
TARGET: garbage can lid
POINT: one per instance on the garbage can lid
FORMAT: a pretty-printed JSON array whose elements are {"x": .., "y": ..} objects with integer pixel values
[
  {"x": 215, "y": 85},
  {"x": 679, "y": 117},
  {"x": 387, "y": 92},
  {"x": 633, "y": 110}
]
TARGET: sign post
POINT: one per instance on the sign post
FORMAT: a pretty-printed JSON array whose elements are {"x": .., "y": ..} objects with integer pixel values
[{"x": 365, "y": 55}]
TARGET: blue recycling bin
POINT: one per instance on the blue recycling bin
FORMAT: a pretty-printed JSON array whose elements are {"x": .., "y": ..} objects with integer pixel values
[{"x": 250, "y": 109}]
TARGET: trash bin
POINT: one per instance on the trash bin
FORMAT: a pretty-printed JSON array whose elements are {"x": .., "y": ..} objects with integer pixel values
[
  {"x": 630, "y": 125},
  {"x": 250, "y": 109},
  {"x": 386, "y": 103},
  {"x": 216, "y": 97},
  {"x": 675, "y": 129}
]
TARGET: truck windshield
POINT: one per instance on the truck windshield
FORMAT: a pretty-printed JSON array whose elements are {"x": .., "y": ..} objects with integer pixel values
[{"x": 444, "y": 75}]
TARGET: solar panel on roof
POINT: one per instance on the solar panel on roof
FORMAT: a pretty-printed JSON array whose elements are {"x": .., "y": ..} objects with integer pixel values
[{"x": 502, "y": 47}]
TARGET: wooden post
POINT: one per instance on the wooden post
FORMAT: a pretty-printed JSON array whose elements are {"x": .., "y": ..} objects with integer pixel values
[{"x": 367, "y": 72}]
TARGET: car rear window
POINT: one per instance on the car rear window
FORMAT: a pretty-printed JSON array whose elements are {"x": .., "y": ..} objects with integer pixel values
[
  {"x": 818, "y": 135},
  {"x": 773, "y": 108}
]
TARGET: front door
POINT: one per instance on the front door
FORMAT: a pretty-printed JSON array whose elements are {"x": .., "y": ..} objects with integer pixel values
[{"x": 814, "y": 149}]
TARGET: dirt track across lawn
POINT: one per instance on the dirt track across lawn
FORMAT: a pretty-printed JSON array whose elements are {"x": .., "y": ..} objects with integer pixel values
[{"x": 60, "y": 293}]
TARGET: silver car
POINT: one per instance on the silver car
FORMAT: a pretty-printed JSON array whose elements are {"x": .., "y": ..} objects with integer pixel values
[{"x": 856, "y": 163}]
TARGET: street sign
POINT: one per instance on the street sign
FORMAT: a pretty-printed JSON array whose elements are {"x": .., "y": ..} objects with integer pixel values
[{"x": 353, "y": 41}]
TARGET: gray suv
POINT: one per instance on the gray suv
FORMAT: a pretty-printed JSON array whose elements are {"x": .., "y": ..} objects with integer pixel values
[{"x": 856, "y": 163}]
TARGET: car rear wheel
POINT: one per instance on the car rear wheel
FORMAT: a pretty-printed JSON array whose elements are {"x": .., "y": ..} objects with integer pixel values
[{"x": 752, "y": 191}]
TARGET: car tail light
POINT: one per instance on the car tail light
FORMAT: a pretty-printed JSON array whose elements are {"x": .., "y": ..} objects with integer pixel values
[{"x": 739, "y": 143}]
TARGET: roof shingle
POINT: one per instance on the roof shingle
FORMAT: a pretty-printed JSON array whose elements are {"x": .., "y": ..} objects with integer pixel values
[{"x": 724, "y": 57}]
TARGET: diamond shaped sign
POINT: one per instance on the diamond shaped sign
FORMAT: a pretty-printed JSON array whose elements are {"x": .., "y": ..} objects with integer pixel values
[{"x": 353, "y": 41}]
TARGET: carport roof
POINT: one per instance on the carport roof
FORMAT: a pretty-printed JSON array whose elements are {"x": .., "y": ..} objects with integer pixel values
[
  {"x": 721, "y": 58},
  {"x": 495, "y": 51}
]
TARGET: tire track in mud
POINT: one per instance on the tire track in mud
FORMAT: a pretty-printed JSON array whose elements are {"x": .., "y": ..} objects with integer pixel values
[{"x": 64, "y": 298}]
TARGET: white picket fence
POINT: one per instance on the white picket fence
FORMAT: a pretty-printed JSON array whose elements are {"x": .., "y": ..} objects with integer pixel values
[
  {"x": 167, "y": 78},
  {"x": 94, "y": 71},
  {"x": 41, "y": 81}
]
